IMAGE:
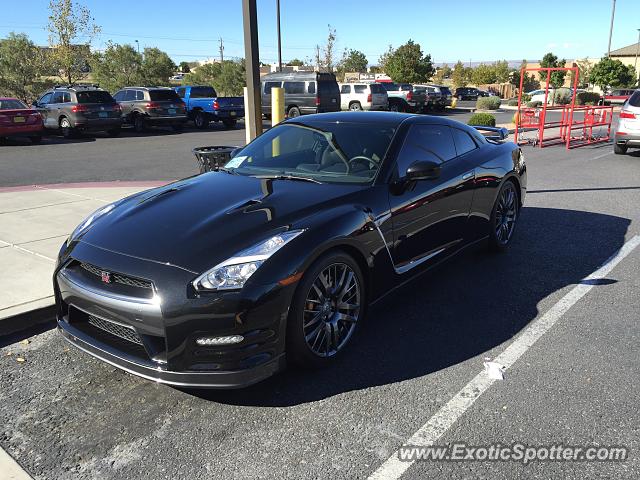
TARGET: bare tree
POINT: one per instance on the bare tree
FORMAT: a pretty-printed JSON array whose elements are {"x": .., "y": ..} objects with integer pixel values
[{"x": 329, "y": 50}]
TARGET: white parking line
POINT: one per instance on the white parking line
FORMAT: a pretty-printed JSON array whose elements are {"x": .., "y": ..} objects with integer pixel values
[
  {"x": 444, "y": 418},
  {"x": 10, "y": 468}
]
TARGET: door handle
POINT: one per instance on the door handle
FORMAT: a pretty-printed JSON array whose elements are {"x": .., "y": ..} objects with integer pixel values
[{"x": 467, "y": 175}]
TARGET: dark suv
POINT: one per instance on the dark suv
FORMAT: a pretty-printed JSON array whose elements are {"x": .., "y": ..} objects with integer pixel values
[
  {"x": 468, "y": 93},
  {"x": 78, "y": 108},
  {"x": 304, "y": 92},
  {"x": 146, "y": 106}
]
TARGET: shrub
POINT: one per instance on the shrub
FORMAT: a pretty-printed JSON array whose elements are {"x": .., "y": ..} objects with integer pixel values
[
  {"x": 526, "y": 97},
  {"x": 535, "y": 104},
  {"x": 484, "y": 119},
  {"x": 562, "y": 97},
  {"x": 513, "y": 102},
  {"x": 587, "y": 98},
  {"x": 488, "y": 103}
]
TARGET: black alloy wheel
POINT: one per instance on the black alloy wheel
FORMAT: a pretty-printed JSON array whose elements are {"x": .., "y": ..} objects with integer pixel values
[{"x": 504, "y": 217}]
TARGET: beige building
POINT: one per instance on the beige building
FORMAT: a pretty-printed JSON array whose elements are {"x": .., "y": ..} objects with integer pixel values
[{"x": 629, "y": 55}]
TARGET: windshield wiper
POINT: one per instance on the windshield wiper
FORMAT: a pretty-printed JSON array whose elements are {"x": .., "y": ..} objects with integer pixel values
[
  {"x": 289, "y": 177},
  {"x": 227, "y": 170}
]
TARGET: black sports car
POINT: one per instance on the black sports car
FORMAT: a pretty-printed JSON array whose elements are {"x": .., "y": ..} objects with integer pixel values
[{"x": 219, "y": 279}]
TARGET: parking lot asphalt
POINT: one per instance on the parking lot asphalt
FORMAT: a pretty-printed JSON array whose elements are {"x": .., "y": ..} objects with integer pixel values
[{"x": 67, "y": 416}]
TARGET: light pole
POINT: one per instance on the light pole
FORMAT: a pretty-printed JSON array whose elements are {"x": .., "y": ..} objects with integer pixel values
[
  {"x": 279, "y": 40},
  {"x": 252, "y": 101},
  {"x": 613, "y": 14},
  {"x": 138, "y": 45}
]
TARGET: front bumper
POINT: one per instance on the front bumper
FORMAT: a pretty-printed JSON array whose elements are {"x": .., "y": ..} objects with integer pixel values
[{"x": 162, "y": 327}]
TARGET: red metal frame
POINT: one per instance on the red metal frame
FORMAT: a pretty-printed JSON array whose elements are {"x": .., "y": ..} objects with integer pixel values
[{"x": 527, "y": 117}]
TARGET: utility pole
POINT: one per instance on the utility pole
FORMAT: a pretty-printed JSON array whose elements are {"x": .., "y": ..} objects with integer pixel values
[
  {"x": 318, "y": 58},
  {"x": 613, "y": 14},
  {"x": 252, "y": 100},
  {"x": 279, "y": 39},
  {"x": 221, "y": 49},
  {"x": 138, "y": 44}
]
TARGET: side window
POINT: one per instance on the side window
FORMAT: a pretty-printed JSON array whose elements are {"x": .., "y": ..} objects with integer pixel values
[
  {"x": 312, "y": 87},
  {"x": 464, "y": 142},
  {"x": 294, "y": 87},
  {"x": 269, "y": 85},
  {"x": 426, "y": 142},
  {"x": 46, "y": 98},
  {"x": 345, "y": 89},
  {"x": 180, "y": 92},
  {"x": 119, "y": 96},
  {"x": 634, "y": 101},
  {"x": 66, "y": 98},
  {"x": 139, "y": 95},
  {"x": 130, "y": 96},
  {"x": 57, "y": 97},
  {"x": 360, "y": 88}
]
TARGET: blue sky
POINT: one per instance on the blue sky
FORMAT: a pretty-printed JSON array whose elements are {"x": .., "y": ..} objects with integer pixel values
[{"x": 448, "y": 30}]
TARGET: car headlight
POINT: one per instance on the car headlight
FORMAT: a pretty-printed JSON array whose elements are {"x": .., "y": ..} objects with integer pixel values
[
  {"x": 90, "y": 220},
  {"x": 235, "y": 271}
]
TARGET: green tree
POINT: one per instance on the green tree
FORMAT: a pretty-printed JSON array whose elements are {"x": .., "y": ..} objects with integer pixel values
[
  {"x": 352, "y": 61},
  {"x": 157, "y": 67},
  {"x": 529, "y": 83},
  {"x": 71, "y": 30},
  {"x": 118, "y": 66},
  {"x": 228, "y": 77},
  {"x": 443, "y": 72},
  {"x": 584, "y": 67},
  {"x": 185, "y": 67},
  {"x": 22, "y": 65},
  {"x": 551, "y": 61},
  {"x": 295, "y": 63},
  {"x": 483, "y": 74},
  {"x": 459, "y": 75},
  {"x": 384, "y": 58},
  {"x": 612, "y": 73},
  {"x": 408, "y": 64},
  {"x": 501, "y": 71}
]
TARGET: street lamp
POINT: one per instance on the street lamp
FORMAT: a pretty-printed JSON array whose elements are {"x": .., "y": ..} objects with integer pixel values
[{"x": 279, "y": 41}]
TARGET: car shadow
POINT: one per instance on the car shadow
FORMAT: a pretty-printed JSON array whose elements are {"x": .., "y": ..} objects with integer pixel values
[
  {"x": 455, "y": 312},
  {"x": 47, "y": 139}
]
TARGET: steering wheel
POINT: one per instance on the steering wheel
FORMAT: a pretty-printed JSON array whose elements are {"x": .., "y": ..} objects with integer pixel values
[{"x": 371, "y": 164}]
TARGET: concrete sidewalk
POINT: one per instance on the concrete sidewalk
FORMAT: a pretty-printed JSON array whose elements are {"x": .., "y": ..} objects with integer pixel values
[{"x": 34, "y": 222}]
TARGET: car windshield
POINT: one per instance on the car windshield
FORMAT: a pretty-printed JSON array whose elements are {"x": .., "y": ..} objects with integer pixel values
[
  {"x": 160, "y": 95},
  {"x": 95, "y": 96},
  {"x": 11, "y": 104},
  {"x": 322, "y": 151}
]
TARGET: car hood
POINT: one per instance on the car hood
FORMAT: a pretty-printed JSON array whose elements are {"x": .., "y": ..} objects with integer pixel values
[{"x": 201, "y": 221}]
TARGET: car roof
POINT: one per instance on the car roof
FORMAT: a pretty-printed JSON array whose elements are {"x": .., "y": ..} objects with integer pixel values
[
  {"x": 148, "y": 88},
  {"x": 389, "y": 118}
]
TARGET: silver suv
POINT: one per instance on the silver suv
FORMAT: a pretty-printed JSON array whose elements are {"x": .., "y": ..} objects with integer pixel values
[
  {"x": 143, "y": 107},
  {"x": 78, "y": 108}
]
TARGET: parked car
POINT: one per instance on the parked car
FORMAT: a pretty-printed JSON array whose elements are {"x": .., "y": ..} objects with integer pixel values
[
  {"x": 538, "y": 95},
  {"x": 363, "y": 96},
  {"x": 438, "y": 96},
  {"x": 617, "y": 97},
  {"x": 74, "y": 109},
  {"x": 18, "y": 120},
  {"x": 628, "y": 132},
  {"x": 205, "y": 106},
  {"x": 304, "y": 92},
  {"x": 408, "y": 99},
  {"x": 143, "y": 107},
  {"x": 218, "y": 280},
  {"x": 467, "y": 93},
  {"x": 178, "y": 76}
]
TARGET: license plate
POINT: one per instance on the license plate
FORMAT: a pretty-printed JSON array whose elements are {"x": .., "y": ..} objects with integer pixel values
[
  {"x": 19, "y": 119},
  {"x": 172, "y": 111},
  {"x": 233, "y": 114},
  {"x": 103, "y": 114}
]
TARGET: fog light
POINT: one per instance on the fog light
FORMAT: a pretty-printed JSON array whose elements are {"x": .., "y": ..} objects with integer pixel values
[{"x": 229, "y": 340}]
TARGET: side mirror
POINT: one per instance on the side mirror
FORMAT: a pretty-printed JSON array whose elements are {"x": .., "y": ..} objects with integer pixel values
[
  {"x": 423, "y": 170},
  {"x": 234, "y": 152}
]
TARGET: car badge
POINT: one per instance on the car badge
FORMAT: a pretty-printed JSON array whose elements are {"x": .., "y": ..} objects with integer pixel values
[
  {"x": 105, "y": 277},
  {"x": 101, "y": 108}
]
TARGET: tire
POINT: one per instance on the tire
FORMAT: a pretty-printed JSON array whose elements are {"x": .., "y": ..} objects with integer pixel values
[
  {"x": 201, "y": 120},
  {"x": 619, "y": 149},
  {"x": 65, "y": 127},
  {"x": 114, "y": 132},
  {"x": 178, "y": 128},
  {"x": 504, "y": 217},
  {"x": 308, "y": 343},
  {"x": 139, "y": 123},
  {"x": 355, "y": 107},
  {"x": 36, "y": 139},
  {"x": 293, "y": 112},
  {"x": 229, "y": 122}
]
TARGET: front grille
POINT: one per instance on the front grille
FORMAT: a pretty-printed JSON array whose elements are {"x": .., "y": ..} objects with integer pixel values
[
  {"x": 118, "y": 277},
  {"x": 126, "y": 333}
]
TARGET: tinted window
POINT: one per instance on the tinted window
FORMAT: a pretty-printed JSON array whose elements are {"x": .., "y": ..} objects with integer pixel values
[
  {"x": 180, "y": 92},
  {"x": 46, "y": 98},
  {"x": 203, "y": 92},
  {"x": 634, "y": 100},
  {"x": 66, "y": 97},
  {"x": 345, "y": 89},
  {"x": 160, "y": 95},
  {"x": 405, "y": 87},
  {"x": 294, "y": 87},
  {"x": 377, "y": 88},
  {"x": 139, "y": 95},
  {"x": 312, "y": 87},
  {"x": 119, "y": 96},
  {"x": 130, "y": 96},
  {"x": 360, "y": 88},
  {"x": 390, "y": 87},
  {"x": 328, "y": 88},
  {"x": 269, "y": 85},
  {"x": 57, "y": 97},
  {"x": 464, "y": 142},
  {"x": 445, "y": 90},
  {"x": 11, "y": 104},
  {"x": 426, "y": 142},
  {"x": 94, "y": 96}
]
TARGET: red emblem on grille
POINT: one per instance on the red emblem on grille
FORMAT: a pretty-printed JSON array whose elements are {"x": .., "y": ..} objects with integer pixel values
[{"x": 106, "y": 277}]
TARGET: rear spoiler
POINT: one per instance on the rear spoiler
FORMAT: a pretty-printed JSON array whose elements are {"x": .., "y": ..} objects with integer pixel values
[{"x": 495, "y": 133}]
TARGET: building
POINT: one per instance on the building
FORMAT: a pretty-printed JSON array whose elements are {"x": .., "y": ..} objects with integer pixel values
[{"x": 629, "y": 55}]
